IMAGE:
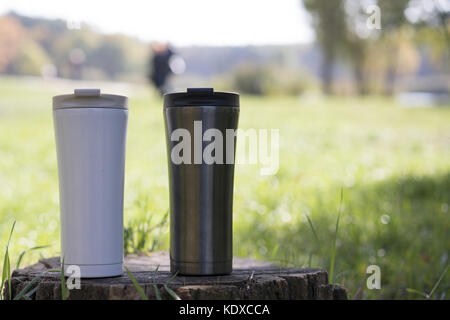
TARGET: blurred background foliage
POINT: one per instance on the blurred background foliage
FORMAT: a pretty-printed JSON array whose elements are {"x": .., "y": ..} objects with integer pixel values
[
  {"x": 347, "y": 57},
  {"x": 34, "y": 46}
]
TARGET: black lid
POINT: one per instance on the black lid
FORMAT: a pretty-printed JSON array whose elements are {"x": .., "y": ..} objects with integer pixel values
[{"x": 201, "y": 97}]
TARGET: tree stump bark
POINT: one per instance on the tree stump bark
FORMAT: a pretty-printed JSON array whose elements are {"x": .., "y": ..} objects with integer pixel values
[{"x": 251, "y": 279}]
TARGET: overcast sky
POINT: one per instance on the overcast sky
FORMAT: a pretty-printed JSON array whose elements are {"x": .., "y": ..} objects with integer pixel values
[{"x": 183, "y": 22}]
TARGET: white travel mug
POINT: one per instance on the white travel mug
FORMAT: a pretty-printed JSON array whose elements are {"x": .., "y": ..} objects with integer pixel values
[{"x": 90, "y": 131}]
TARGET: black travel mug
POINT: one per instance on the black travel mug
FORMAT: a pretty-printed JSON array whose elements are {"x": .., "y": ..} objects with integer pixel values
[{"x": 201, "y": 129}]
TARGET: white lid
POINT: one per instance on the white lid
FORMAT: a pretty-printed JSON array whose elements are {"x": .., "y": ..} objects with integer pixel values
[{"x": 89, "y": 98}]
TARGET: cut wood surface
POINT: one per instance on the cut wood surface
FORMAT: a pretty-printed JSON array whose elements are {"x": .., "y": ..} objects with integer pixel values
[{"x": 251, "y": 279}]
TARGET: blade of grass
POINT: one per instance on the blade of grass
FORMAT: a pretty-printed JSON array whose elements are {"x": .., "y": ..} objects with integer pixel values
[
  {"x": 313, "y": 229},
  {"x": 157, "y": 293},
  {"x": 30, "y": 293},
  {"x": 9, "y": 278},
  {"x": 28, "y": 250},
  {"x": 156, "y": 271},
  {"x": 161, "y": 223},
  {"x": 10, "y": 233},
  {"x": 437, "y": 283},
  {"x": 274, "y": 251},
  {"x": 64, "y": 293},
  {"x": 309, "y": 259},
  {"x": 6, "y": 273},
  {"x": 429, "y": 295},
  {"x": 414, "y": 291},
  {"x": 137, "y": 286},
  {"x": 160, "y": 227},
  {"x": 26, "y": 290},
  {"x": 360, "y": 290},
  {"x": 172, "y": 277},
  {"x": 3, "y": 273},
  {"x": 333, "y": 252},
  {"x": 171, "y": 293},
  {"x": 155, "y": 287}
]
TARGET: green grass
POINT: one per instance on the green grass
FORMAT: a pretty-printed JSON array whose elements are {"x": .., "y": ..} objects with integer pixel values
[
  {"x": 392, "y": 163},
  {"x": 138, "y": 287}
]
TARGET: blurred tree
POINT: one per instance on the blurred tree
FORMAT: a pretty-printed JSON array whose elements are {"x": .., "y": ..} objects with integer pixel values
[
  {"x": 329, "y": 24},
  {"x": 436, "y": 46},
  {"x": 70, "y": 45},
  {"x": 76, "y": 53},
  {"x": 356, "y": 42},
  {"x": 12, "y": 35},
  {"x": 360, "y": 39},
  {"x": 42, "y": 30},
  {"x": 393, "y": 38},
  {"x": 110, "y": 56},
  {"x": 341, "y": 27},
  {"x": 432, "y": 18},
  {"x": 389, "y": 56},
  {"x": 357, "y": 49},
  {"x": 135, "y": 56},
  {"x": 30, "y": 60},
  {"x": 393, "y": 13}
]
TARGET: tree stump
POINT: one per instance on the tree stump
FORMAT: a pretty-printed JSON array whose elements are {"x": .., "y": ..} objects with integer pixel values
[{"x": 251, "y": 279}]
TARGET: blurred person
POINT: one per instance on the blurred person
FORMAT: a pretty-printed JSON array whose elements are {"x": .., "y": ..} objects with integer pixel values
[
  {"x": 77, "y": 57},
  {"x": 163, "y": 63}
]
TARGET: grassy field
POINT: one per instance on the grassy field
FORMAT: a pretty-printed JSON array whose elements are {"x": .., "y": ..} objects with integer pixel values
[{"x": 392, "y": 164}]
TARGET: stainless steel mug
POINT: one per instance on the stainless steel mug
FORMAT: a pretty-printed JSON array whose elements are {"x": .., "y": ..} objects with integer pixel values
[
  {"x": 90, "y": 131},
  {"x": 200, "y": 135}
]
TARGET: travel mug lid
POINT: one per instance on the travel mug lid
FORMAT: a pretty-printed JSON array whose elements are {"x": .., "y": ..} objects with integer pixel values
[
  {"x": 89, "y": 98},
  {"x": 201, "y": 97}
]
